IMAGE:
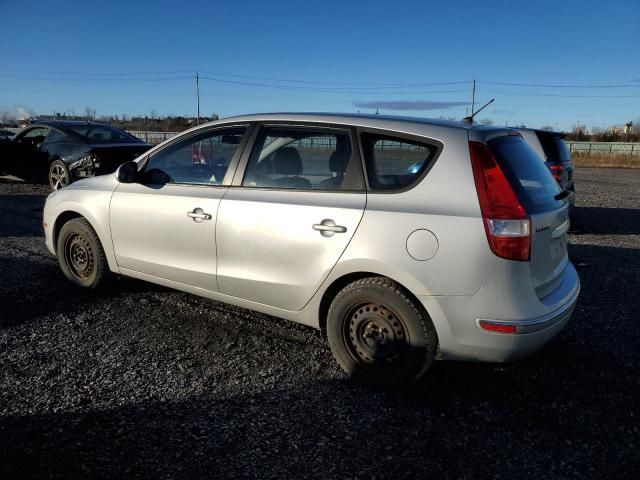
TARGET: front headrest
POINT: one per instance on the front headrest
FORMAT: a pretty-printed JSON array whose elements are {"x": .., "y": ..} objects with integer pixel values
[
  {"x": 287, "y": 162},
  {"x": 338, "y": 161}
]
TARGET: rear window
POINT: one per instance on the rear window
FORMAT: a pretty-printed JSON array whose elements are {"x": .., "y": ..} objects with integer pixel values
[
  {"x": 555, "y": 149},
  {"x": 529, "y": 177},
  {"x": 104, "y": 134}
]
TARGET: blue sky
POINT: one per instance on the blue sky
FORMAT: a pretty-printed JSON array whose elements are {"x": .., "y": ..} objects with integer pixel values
[{"x": 326, "y": 56}]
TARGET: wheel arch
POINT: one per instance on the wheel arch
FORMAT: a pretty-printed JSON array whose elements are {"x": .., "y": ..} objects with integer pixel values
[
  {"x": 70, "y": 213},
  {"x": 339, "y": 283}
]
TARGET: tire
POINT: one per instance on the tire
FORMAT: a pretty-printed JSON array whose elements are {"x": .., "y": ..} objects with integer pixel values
[
  {"x": 80, "y": 254},
  {"x": 59, "y": 175},
  {"x": 379, "y": 335}
]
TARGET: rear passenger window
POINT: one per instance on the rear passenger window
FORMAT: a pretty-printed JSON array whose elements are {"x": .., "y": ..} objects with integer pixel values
[
  {"x": 303, "y": 159},
  {"x": 54, "y": 136},
  {"x": 395, "y": 163}
]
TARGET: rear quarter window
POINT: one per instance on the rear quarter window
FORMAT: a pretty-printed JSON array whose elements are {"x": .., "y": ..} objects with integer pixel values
[
  {"x": 529, "y": 177},
  {"x": 395, "y": 163}
]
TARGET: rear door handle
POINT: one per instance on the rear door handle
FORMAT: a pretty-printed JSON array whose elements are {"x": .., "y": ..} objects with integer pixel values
[
  {"x": 328, "y": 227},
  {"x": 198, "y": 215}
]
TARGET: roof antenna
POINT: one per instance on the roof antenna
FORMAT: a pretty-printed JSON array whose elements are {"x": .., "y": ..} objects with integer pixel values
[{"x": 469, "y": 119}]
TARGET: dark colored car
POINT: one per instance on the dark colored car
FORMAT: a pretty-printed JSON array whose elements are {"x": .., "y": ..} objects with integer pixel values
[
  {"x": 550, "y": 146},
  {"x": 61, "y": 152}
]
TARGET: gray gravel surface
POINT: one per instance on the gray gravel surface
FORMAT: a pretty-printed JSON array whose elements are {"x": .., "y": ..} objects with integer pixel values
[{"x": 141, "y": 382}]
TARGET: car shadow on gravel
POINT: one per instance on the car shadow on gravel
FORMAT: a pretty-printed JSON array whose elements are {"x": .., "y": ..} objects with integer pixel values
[
  {"x": 32, "y": 286},
  {"x": 522, "y": 421},
  {"x": 605, "y": 221}
]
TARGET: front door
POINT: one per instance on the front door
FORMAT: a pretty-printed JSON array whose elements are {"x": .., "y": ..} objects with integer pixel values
[
  {"x": 165, "y": 225},
  {"x": 284, "y": 226}
]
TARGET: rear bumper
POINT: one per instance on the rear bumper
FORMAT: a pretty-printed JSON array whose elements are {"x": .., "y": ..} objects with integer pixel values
[
  {"x": 461, "y": 338},
  {"x": 530, "y": 334}
]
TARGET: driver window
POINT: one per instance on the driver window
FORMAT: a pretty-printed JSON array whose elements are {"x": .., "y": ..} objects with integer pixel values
[
  {"x": 200, "y": 160},
  {"x": 35, "y": 137}
]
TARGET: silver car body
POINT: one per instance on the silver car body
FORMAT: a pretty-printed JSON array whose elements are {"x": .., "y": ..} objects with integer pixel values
[{"x": 259, "y": 250}]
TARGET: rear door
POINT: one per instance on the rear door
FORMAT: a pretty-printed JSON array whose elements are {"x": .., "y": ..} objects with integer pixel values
[
  {"x": 536, "y": 189},
  {"x": 291, "y": 212}
]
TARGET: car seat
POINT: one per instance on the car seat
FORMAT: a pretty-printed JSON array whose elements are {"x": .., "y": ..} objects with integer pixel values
[
  {"x": 287, "y": 162},
  {"x": 338, "y": 165}
]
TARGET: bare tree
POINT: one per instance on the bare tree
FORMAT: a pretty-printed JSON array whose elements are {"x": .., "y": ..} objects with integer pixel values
[
  {"x": 486, "y": 121},
  {"x": 548, "y": 128},
  {"x": 90, "y": 113}
]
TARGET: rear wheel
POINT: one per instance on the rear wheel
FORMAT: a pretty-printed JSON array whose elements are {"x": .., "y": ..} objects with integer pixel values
[
  {"x": 59, "y": 175},
  {"x": 379, "y": 334},
  {"x": 80, "y": 254}
]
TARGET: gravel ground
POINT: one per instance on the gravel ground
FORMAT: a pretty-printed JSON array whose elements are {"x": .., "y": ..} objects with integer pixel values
[{"x": 142, "y": 382}]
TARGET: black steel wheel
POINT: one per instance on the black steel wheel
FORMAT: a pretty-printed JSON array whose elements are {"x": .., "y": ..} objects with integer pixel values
[
  {"x": 59, "y": 175},
  {"x": 379, "y": 334},
  {"x": 80, "y": 254}
]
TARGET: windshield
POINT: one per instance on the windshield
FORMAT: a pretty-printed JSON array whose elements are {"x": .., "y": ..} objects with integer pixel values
[{"x": 104, "y": 134}]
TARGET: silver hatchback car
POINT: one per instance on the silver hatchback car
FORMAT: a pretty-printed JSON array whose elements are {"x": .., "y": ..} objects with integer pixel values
[{"x": 325, "y": 220}]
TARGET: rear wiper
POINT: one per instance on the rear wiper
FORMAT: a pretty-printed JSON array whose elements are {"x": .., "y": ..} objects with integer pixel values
[{"x": 561, "y": 195}]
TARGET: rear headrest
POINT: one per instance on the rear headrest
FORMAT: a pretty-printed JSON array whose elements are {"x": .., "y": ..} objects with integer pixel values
[
  {"x": 287, "y": 162},
  {"x": 338, "y": 161}
]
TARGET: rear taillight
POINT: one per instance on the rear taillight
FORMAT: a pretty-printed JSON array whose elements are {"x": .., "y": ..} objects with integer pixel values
[
  {"x": 556, "y": 170},
  {"x": 506, "y": 223}
]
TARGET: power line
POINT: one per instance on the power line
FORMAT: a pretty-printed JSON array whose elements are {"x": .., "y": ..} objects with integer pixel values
[
  {"x": 82, "y": 74},
  {"x": 527, "y": 94},
  {"x": 130, "y": 76},
  {"x": 321, "y": 89},
  {"x": 543, "y": 85},
  {"x": 351, "y": 84},
  {"x": 99, "y": 80}
]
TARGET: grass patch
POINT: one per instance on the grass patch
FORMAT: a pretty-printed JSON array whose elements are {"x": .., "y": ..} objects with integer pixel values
[{"x": 605, "y": 161}]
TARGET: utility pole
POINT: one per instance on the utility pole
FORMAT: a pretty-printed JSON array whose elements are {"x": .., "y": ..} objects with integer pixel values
[
  {"x": 198, "y": 98},
  {"x": 473, "y": 97}
]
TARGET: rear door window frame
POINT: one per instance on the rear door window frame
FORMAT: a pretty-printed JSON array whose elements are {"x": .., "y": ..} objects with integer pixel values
[
  {"x": 356, "y": 156},
  {"x": 398, "y": 136}
]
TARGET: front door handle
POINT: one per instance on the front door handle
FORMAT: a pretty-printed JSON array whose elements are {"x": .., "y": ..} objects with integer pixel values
[
  {"x": 199, "y": 215},
  {"x": 328, "y": 227}
]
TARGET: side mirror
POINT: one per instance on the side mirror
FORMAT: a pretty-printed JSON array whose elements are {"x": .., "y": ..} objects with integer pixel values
[{"x": 128, "y": 172}]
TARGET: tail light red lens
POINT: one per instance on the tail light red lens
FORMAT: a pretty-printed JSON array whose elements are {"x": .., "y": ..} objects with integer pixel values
[
  {"x": 496, "y": 327},
  {"x": 556, "y": 170},
  {"x": 506, "y": 223}
]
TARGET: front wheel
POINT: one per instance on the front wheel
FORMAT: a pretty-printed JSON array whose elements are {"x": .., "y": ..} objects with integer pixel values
[
  {"x": 59, "y": 175},
  {"x": 379, "y": 334},
  {"x": 80, "y": 254}
]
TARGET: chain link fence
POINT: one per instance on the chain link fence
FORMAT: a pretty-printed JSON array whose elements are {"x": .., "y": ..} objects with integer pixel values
[{"x": 604, "y": 148}]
